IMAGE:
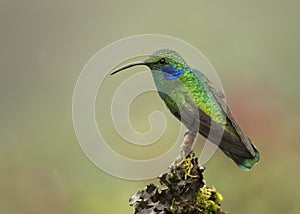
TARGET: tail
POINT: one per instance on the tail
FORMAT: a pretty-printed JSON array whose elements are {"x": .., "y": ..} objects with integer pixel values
[
  {"x": 237, "y": 147},
  {"x": 245, "y": 163}
]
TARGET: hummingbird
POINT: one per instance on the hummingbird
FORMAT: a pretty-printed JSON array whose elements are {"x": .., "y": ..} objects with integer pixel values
[{"x": 194, "y": 100}]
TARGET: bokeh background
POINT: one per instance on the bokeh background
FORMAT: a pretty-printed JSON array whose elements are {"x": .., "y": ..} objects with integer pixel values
[{"x": 253, "y": 45}]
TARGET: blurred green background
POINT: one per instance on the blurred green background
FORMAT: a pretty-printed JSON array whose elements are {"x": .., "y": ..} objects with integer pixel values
[{"x": 253, "y": 45}]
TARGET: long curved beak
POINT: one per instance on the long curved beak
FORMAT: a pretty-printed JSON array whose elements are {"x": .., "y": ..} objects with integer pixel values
[{"x": 129, "y": 66}]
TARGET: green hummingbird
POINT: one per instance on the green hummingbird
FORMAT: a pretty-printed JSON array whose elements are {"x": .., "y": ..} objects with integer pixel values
[{"x": 199, "y": 105}]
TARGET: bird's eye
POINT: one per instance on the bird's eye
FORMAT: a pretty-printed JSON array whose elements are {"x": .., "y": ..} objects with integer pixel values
[{"x": 162, "y": 61}]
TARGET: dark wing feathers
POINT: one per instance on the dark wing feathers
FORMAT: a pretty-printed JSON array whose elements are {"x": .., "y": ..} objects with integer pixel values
[
  {"x": 242, "y": 139},
  {"x": 198, "y": 121},
  {"x": 213, "y": 131}
]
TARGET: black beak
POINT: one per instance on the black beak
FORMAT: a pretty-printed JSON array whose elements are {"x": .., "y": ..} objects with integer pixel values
[{"x": 129, "y": 66}]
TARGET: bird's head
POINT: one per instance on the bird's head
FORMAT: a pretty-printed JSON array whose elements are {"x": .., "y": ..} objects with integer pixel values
[{"x": 169, "y": 62}]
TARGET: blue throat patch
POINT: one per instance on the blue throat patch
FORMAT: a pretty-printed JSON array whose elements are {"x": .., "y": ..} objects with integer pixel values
[{"x": 170, "y": 72}]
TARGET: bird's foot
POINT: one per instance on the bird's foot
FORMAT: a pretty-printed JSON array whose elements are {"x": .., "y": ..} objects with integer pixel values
[{"x": 186, "y": 146}]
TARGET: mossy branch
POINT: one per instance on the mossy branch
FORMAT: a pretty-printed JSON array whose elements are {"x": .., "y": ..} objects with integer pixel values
[{"x": 183, "y": 189}]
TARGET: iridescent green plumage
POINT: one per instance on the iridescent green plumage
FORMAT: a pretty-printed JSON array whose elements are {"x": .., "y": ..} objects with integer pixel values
[{"x": 193, "y": 99}]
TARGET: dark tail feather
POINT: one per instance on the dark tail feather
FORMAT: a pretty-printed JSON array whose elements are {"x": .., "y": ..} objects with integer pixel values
[{"x": 245, "y": 163}]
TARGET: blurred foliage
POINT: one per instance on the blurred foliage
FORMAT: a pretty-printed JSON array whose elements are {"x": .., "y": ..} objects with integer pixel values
[{"x": 253, "y": 45}]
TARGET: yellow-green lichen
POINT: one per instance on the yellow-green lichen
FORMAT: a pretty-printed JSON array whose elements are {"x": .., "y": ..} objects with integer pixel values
[
  {"x": 208, "y": 199},
  {"x": 188, "y": 167}
]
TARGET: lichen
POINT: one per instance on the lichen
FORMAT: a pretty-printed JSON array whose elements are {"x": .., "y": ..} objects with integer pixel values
[
  {"x": 208, "y": 199},
  {"x": 182, "y": 191}
]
